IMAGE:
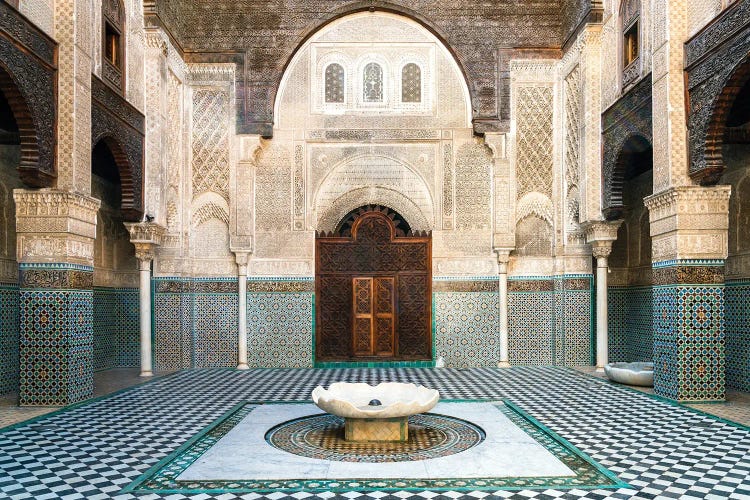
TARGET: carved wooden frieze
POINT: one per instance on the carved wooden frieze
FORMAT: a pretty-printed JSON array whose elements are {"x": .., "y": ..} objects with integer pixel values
[
  {"x": 464, "y": 27},
  {"x": 28, "y": 78},
  {"x": 630, "y": 116},
  {"x": 716, "y": 70},
  {"x": 116, "y": 120}
]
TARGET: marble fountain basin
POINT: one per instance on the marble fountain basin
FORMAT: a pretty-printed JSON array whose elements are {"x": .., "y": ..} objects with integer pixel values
[
  {"x": 375, "y": 413},
  {"x": 639, "y": 373}
]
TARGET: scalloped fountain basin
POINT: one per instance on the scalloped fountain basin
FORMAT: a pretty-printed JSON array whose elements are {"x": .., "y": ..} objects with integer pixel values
[{"x": 375, "y": 413}]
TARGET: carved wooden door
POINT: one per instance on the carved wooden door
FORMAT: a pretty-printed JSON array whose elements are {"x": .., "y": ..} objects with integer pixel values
[
  {"x": 374, "y": 319},
  {"x": 373, "y": 291}
]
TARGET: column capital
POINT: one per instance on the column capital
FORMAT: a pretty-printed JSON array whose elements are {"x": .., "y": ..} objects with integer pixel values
[
  {"x": 242, "y": 257},
  {"x": 602, "y": 230},
  {"x": 503, "y": 256},
  {"x": 145, "y": 236},
  {"x": 497, "y": 142}
]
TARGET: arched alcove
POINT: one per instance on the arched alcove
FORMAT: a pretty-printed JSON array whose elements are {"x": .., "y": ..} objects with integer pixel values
[
  {"x": 630, "y": 293},
  {"x": 115, "y": 267}
]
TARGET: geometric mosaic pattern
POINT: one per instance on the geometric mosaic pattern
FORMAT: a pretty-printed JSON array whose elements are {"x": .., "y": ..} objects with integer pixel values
[
  {"x": 280, "y": 329},
  {"x": 689, "y": 342},
  {"x": 630, "y": 324},
  {"x": 56, "y": 338},
  {"x": 9, "y": 346},
  {"x": 466, "y": 333},
  {"x": 321, "y": 436},
  {"x": 215, "y": 330},
  {"x": 737, "y": 322},
  {"x": 116, "y": 328},
  {"x": 661, "y": 450},
  {"x": 549, "y": 321}
]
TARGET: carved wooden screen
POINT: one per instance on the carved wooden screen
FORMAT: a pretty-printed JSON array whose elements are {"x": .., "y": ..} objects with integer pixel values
[{"x": 373, "y": 292}]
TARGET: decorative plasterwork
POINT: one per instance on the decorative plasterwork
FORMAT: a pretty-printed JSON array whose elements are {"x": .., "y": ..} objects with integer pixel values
[
  {"x": 689, "y": 222},
  {"x": 28, "y": 78},
  {"x": 121, "y": 125},
  {"x": 717, "y": 68},
  {"x": 55, "y": 226}
]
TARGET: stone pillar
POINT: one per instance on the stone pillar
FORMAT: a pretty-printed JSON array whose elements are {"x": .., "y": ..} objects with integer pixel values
[
  {"x": 689, "y": 237},
  {"x": 503, "y": 255},
  {"x": 600, "y": 235},
  {"x": 241, "y": 258},
  {"x": 55, "y": 251},
  {"x": 145, "y": 236}
]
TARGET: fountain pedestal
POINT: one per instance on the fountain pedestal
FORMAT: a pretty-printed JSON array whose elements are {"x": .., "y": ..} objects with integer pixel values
[
  {"x": 379, "y": 413},
  {"x": 376, "y": 429}
]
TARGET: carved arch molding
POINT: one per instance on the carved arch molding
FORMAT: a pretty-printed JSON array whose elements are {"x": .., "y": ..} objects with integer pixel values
[
  {"x": 373, "y": 291},
  {"x": 717, "y": 65},
  {"x": 115, "y": 121},
  {"x": 629, "y": 117},
  {"x": 28, "y": 78}
]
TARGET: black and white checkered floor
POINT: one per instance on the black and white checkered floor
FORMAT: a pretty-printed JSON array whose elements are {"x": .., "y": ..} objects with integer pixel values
[{"x": 96, "y": 449}]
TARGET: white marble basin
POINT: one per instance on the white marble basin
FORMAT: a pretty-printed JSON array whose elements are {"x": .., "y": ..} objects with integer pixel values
[
  {"x": 397, "y": 400},
  {"x": 640, "y": 373}
]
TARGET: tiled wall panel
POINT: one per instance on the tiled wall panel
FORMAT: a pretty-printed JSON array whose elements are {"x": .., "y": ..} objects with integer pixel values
[
  {"x": 280, "y": 329},
  {"x": 56, "y": 334},
  {"x": 215, "y": 330},
  {"x": 9, "y": 346},
  {"x": 116, "y": 328},
  {"x": 630, "y": 325},
  {"x": 737, "y": 321},
  {"x": 466, "y": 333},
  {"x": 531, "y": 325}
]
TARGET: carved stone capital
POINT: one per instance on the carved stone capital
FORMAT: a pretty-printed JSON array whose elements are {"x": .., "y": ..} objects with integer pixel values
[
  {"x": 689, "y": 222},
  {"x": 503, "y": 256},
  {"x": 601, "y": 235},
  {"x": 248, "y": 147},
  {"x": 55, "y": 226},
  {"x": 145, "y": 236},
  {"x": 242, "y": 258},
  {"x": 601, "y": 230}
]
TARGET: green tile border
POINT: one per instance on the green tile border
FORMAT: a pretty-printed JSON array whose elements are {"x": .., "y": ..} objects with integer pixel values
[{"x": 161, "y": 478}]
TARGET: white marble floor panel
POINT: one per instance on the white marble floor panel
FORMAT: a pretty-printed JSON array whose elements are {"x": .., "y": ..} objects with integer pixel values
[{"x": 243, "y": 452}]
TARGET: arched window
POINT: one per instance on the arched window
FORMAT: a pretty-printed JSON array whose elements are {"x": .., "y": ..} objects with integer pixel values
[
  {"x": 372, "y": 83},
  {"x": 334, "y": 83},
  {"x": 113, "y": 37},
  {"x": 631, "y": 42},
  {"x": 411, "y": 83}
]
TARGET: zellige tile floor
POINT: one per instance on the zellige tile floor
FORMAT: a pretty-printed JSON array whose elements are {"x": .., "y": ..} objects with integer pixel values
[{"x": 94, "y": 450}]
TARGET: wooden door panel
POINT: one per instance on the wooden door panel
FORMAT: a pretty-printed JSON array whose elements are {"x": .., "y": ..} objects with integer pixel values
[
  {"x": 385, "y": 319},
  {"x": 363, "y": 318}
]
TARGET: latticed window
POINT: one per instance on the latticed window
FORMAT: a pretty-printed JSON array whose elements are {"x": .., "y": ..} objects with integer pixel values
[
  {"x": 411, "y": 83},
  {"x": 372, "y": 83},
  {"x": 334, "y": 83}
]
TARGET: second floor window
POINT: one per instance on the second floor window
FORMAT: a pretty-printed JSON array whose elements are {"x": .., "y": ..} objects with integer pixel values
[
  {"x": 630, "y": 44},
  {"x": 372, "y": 83},
  {"x": 411, "y": 83},
  {"x": 334, "y": 83}
]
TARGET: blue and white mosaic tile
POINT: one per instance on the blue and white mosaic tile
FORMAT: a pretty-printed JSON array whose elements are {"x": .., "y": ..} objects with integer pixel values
[{"x": 280, "y": 329}]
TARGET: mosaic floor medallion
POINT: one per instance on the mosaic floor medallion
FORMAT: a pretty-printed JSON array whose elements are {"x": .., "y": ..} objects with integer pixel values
[{"x": 322, "y": 437}]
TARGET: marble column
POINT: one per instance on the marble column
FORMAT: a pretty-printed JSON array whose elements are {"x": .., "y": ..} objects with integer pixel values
[
  {"x": 601, "y": 235},
  {"x": 503, "y": 255},
  {"x": 145, "y": 256},
  {"x": 145, "y": 236},
  {"x": 242, "y": 258}
]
